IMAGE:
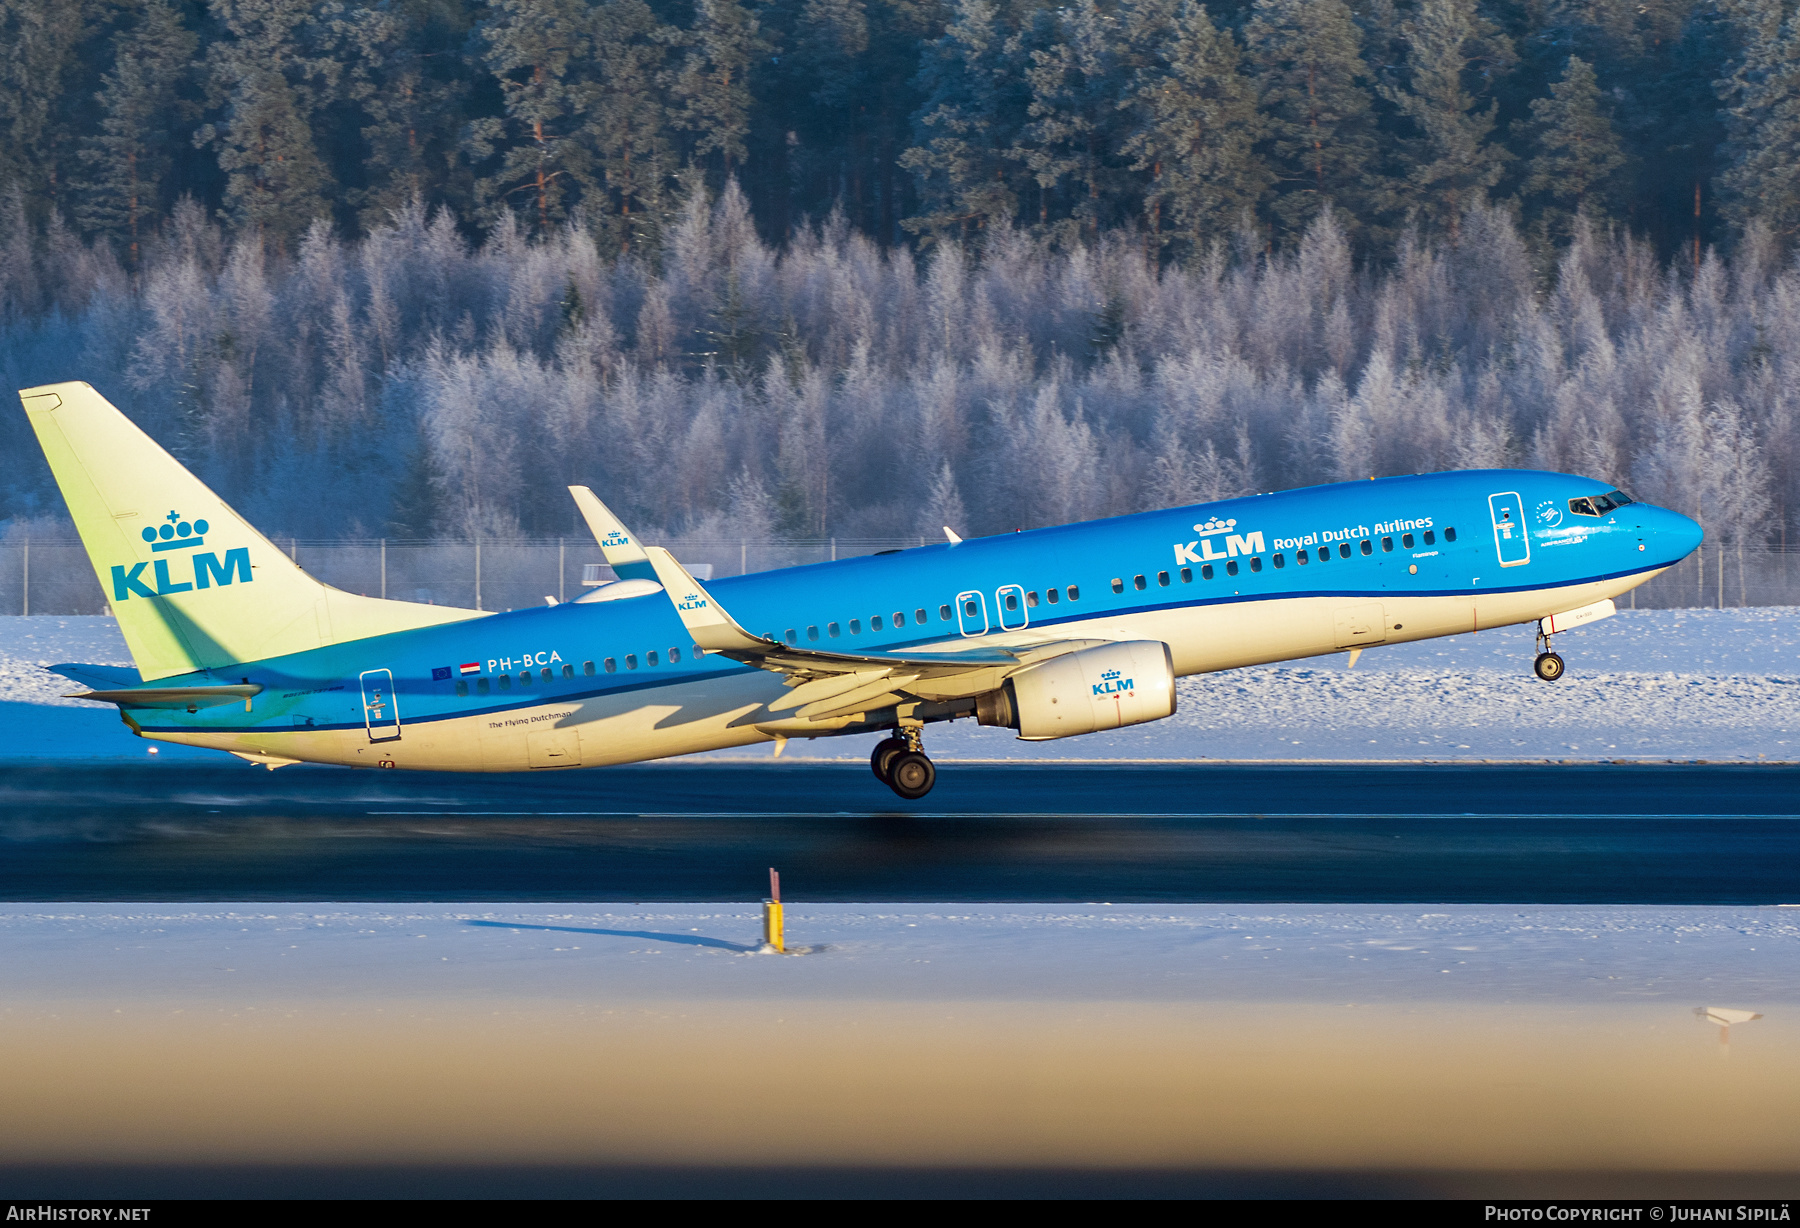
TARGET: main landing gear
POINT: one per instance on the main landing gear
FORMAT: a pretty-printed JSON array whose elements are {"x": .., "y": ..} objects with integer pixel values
[
  {"x": 1548, "y": 665},
  {"x": 899, "y": 762}
]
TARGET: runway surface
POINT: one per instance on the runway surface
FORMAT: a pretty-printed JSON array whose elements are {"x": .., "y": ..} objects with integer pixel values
[{"x": 1675, "y": 834}]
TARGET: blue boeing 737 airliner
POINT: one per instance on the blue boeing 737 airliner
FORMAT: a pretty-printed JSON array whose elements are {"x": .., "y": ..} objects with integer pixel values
[{"x": 1052, "y": 633}]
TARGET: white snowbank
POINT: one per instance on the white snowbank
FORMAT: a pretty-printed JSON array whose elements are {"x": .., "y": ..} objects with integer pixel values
[
  {"x": 1679, "y": 956},
  {"x": 1663, "y": 684}
]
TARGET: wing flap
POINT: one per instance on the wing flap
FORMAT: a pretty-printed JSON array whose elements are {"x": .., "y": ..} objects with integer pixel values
[{"x": 870, "y": 695}]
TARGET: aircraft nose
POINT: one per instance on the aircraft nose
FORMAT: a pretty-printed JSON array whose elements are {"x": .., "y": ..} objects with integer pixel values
[{"x": 1676, "y": 535}]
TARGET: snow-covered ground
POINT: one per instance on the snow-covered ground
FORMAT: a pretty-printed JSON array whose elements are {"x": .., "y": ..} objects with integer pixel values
[
  {"x": 1662, "y": 684},
  {"x": 1293, "y": 1036},
  {"x": 1572, "y": 956}
]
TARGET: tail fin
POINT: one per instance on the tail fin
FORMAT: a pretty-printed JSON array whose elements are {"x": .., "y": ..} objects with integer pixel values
[{"x": 193, "y": 585}]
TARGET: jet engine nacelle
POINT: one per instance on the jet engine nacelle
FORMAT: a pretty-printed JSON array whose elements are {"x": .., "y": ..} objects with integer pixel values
[{"x": 1084, "y": 692}]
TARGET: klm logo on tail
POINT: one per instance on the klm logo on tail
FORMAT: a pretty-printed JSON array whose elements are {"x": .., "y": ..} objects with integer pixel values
[
  {"x": 1112, "y": 684},
  {"x": 178, "y": 534}
]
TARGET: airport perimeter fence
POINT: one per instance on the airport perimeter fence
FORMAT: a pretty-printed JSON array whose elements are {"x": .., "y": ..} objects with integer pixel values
[{"x": 54, "y": 576}]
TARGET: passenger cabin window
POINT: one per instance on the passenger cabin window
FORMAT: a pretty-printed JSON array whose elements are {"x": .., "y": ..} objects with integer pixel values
[
  {"x": 631, "y": 660},
  {"x": 569, "y": 670},
  {"x": 1011, "y": 600},
  {"x": 1279, "y": 562},
  {"x": 1031, "y": 600},
  {"x": 944, "y": 612},
  {"x": 832, "y": 630},
  {"x": 899, "y": 618},
  {"x": 1406, "y": 541},
  {"x": 1450, "y": 535},
  {"x": 971, "y": 607},
  {"x": 525, "y": 678},
  {"x": 1187, "y": 575},
  {"x": 1231, "y": 568},
  {"x": 1118, "y": 585},
  {"x": 1162, "y": 579},
  {"x": 1255, "y": 562},
  {"x": 1344, "y": 550},
  {"x": 1139, "y": 583},
  {"x": 812, "y": 633},
  {"x": 1051, "y": 595},
  {"x": 650, "y": 659},
  {"x": 506, "y": 682},
  {"x": 462, "y": 688},
  {"x": 1368, "y": 547},
  {"x": 612, "y": 666},
  {"x": 587, "y": 668},
  {"x": 481, "y": 686},
  {"x": 546, "y": 674},
  {"x": 856, "y": 626},
  {"x": 1430, "y": 538},
  {"x": 1074, "y": 592},
  {"x": 1206, "y": 572},
  {"x": 875, "y": 623},
  {"x": 1387, "y": 545},
  {"x": 919, "y": 618},
  {"x": 1300, "y": 557},
  {"x": 792, "y": 636},
  {"x": 674, "y": 655}
]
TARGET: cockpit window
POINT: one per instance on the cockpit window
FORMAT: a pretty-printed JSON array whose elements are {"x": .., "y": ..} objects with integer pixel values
[
  {"x": 1619, "y": 498},
  {"x": 1598, "y": 505}
]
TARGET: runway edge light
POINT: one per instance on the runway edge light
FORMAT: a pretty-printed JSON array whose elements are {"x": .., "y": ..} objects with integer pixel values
[{"x": 772, "y": 926}]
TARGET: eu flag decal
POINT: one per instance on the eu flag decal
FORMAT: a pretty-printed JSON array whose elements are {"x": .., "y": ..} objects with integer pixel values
[{"x": 440, "y": 673}]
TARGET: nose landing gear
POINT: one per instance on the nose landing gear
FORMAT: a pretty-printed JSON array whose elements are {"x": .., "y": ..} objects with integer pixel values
[{"x": 900, "y": 763}]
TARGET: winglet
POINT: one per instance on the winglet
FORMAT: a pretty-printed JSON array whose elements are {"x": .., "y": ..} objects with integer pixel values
[
  {"x": 951, "y": 537},
  {"x": 705, "y": 619},
  {"x": 623, "y": 554}
]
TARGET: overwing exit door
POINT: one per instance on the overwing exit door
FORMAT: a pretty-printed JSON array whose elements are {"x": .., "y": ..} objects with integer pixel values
[
  {"x": 971, "y": 613},
  {"x": 1510, "y": 541},
  {"x": 381, "y": 715}
]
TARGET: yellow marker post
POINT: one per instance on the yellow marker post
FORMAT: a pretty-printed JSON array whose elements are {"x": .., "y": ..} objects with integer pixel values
[{"x": 772, "y": 928}]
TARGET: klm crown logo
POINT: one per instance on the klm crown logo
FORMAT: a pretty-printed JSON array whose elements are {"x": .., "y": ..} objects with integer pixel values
[
  {"x": 1203, "y": 549},
  {"x": 174, "y": 533}
]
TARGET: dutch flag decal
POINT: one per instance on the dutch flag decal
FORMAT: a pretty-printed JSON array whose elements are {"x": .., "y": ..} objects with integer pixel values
[{"x": 473, "y": 667}]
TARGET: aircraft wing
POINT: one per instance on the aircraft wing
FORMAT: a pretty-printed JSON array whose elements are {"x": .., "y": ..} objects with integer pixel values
[
  {"x": 622, "y": 552},
  {"x": 828, "y": 684}
]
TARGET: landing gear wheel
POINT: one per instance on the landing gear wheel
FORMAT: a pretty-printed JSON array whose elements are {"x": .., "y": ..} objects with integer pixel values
[
  {"x": 882, "y": 760},
  {"x": 1548, "y": 666},
  {"x": 911, "y": 775}
]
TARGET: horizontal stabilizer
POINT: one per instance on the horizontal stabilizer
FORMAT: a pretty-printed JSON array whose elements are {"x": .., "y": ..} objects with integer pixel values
[
  {"x": 101, "y": 677},
  {"x": 189, "y": 697},
  {"x": 623, "y": 553}
]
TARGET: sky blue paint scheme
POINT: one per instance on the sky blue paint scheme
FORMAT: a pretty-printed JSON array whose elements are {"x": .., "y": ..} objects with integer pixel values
[{"x": 323, "y": 685}]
